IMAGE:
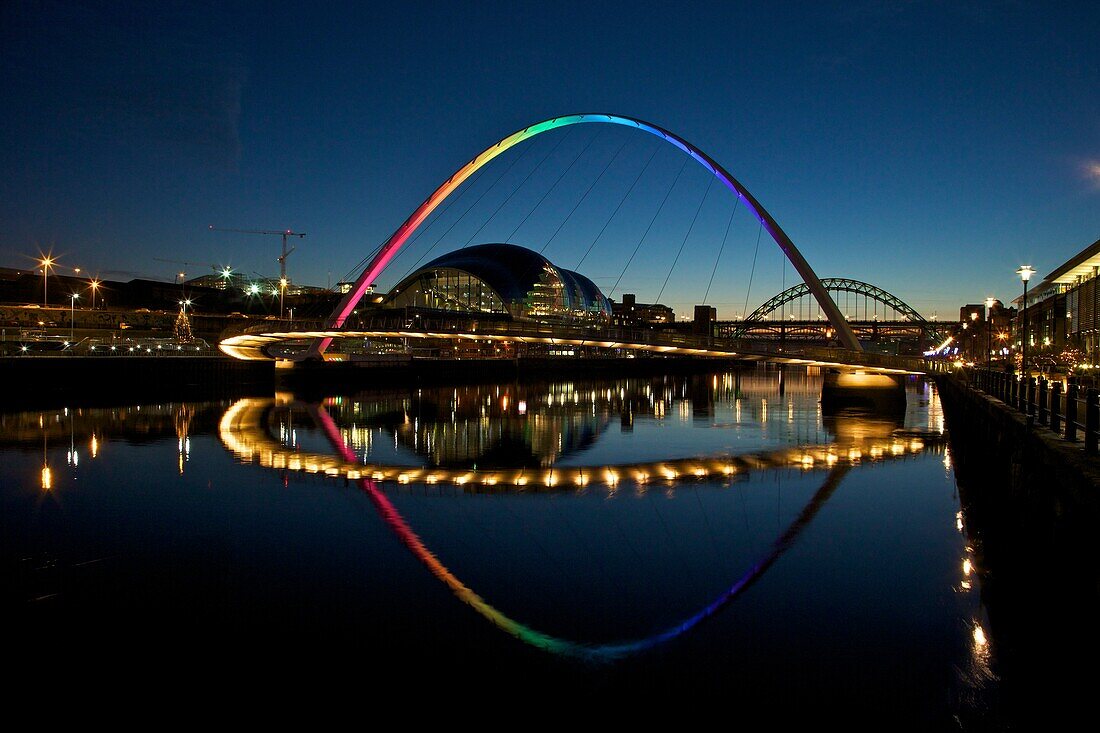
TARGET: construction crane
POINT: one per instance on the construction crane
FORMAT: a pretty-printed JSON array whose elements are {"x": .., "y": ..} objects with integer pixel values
[{"x": 282, "y": 258}]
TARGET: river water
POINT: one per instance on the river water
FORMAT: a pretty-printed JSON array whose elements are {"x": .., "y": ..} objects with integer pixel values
[{"x": 713, "y": 536}]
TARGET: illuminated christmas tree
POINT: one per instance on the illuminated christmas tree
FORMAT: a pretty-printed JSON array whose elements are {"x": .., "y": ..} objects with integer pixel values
[{"x": 183, "y": 328}]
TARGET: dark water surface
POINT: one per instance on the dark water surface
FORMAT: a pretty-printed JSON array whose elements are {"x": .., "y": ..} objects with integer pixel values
[{"x": 715, "y": 537}]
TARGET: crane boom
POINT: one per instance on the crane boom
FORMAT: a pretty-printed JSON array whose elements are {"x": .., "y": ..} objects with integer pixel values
[
  {"x": 180, "y": 275},
  {"x": 185, "y": 262},
  {"x": 284, "y": 233}
]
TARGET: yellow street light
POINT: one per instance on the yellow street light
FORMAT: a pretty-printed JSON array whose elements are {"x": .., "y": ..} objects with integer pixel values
[
  {"x": 72, "y": 316},
  {"x": 47, "y": 262}
]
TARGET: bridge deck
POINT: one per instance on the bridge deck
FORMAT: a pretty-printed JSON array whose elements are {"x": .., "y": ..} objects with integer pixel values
[{"x": 257, "y": 344}]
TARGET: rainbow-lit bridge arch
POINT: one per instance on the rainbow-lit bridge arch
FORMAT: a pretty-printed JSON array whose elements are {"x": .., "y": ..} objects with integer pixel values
[{"x": 388, "y": 250}]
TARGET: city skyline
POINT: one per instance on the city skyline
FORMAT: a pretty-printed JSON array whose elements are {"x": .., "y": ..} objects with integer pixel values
[{"x": 927, "y": 149}]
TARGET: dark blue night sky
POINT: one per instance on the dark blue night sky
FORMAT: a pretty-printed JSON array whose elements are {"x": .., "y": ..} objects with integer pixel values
[{"x": 927, "y": 147}]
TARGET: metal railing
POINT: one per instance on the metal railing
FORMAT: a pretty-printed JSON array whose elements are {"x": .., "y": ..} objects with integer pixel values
[{"x": 1069, "y": 412}]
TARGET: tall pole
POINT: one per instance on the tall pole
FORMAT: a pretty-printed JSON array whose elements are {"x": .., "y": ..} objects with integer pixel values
[
  {"x": 45, "y": 262},
  {"x": 282, "y": 278},
  {"x": 988, "y": 333},
  {"x": 282, "y": 260},
  {"x": 1025, "y": 273},
  {"x": 974, "y": 333},
  {"x": 72, "y": 316},
  {"x": 1023, "y": 364}
]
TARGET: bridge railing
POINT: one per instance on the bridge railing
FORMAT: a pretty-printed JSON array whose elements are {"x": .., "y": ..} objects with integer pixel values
[
  {"x": 1068, "y": 410},
  {"x": 600, "y": 335},
  {"x": 597, "y": 334}
]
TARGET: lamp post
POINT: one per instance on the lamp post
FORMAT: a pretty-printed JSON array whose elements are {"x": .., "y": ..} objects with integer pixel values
[
  {"x": 94, "y": 285},
  {"x": 988, "y": 332},
  {"x": 1025, "y": 272},
  {"x": 974, "y": 334},
  {"x": 282, "y": 294},
  {"x": 72, "y": 316},
  {"x": 47, "y": 263}
]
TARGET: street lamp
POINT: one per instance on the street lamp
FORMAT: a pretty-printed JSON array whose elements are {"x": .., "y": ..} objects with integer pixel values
[
  {"x": 72, "y": 316},
  {"x": 46, "y": 262},
  {"x": 988, "y": 331},
  {"x": 94, "y": 285},
  {"x": 282, "y": 294},
  {"x": 974, "y": 333},
  {"x": 1025, "y": 272}
]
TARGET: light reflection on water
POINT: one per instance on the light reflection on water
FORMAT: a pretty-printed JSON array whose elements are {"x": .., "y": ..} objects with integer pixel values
[{"x": 672, "y": 496}]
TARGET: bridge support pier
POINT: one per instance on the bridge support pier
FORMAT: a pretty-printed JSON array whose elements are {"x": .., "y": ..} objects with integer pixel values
[{"x": 863, "y": 389}]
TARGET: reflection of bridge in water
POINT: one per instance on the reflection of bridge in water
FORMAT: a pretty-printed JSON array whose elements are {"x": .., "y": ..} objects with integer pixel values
[
  {"x": 243, "y": 430},
  {"x": 540, "y": 424}
]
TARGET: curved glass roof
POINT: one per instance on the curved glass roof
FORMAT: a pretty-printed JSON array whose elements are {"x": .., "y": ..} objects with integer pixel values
[{"x": 512, "y": 271}]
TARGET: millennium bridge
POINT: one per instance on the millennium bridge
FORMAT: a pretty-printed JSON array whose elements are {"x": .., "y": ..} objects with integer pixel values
[{"x": 756, "y": 338}]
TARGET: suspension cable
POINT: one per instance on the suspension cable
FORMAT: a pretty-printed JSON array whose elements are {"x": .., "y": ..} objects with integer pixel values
[
  {"x": 583, "y": 197},
  {"x": 555, "y": 184},
  {"x": 650, "y": 226},
  {"x": 617, "y": 207},
  {"x": 469, "y": 208},
  {"x": 517, "y": 188},
  {"x": 733, "y": 211},
  {"x": 684, "y": 243},
  {"x": 354, "y": 271},
  {"x": 752, "y": 271}
]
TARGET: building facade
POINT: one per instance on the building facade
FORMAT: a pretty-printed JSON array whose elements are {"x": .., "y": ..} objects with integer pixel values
[
  {"x": 632, "y": 313},
  {"x": 1061, "y": 317},
  {"x": 504, "y": 280}
]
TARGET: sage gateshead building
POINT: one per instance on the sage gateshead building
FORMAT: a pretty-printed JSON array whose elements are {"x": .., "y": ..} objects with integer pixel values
[{"x": 502, "y": 279}]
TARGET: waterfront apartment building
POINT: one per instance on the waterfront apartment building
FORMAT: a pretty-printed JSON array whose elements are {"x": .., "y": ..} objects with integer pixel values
[{"x": 1063, "y": 310}]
